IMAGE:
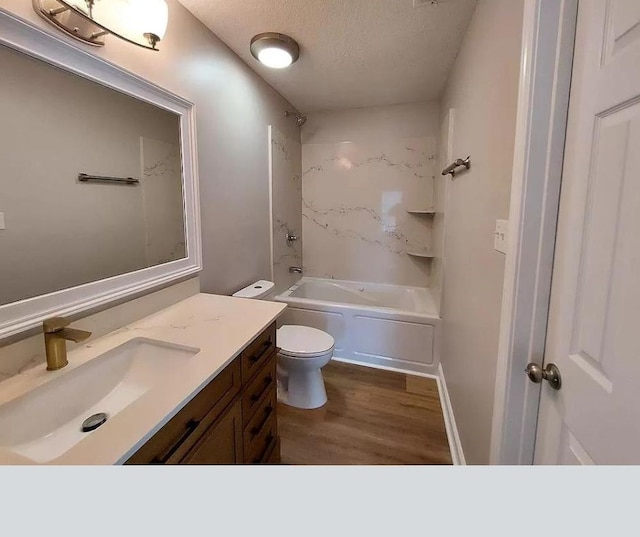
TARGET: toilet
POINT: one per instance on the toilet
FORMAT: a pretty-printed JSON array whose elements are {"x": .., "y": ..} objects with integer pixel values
[{"x": 304, "y": 351}]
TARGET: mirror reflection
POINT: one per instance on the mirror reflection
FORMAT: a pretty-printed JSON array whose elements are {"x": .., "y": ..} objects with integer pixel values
[{"x": 58, "y": 227}]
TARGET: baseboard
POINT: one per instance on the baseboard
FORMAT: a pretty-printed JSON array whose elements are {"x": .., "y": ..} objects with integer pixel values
[
  {"x": 455, "y": 446},
  {"x": 420, "y": 370}
]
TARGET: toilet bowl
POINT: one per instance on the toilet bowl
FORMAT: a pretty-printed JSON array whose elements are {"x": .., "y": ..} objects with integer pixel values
[{"x": 304, "y": 351}]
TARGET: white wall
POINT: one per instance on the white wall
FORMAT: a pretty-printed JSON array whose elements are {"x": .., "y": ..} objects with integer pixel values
[
  {"x": 362, "y": 169},
  {"x": 61, "y": 232},
  {"x": 482, "y": 88},
  {"x": 234, "y": 106}
]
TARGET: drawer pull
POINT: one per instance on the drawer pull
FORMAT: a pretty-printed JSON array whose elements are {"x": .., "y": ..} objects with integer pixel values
[
  {"x": 190, "y": 427},
  {"x": 258, "y": 428},
  {"x": 256, "y": 357},
  {"x": 261, "y": 457},
  {"x": 256, "y": 397}
]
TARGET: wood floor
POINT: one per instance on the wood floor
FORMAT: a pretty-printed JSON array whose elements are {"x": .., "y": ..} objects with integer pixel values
[{"x": 372, "y": 417}]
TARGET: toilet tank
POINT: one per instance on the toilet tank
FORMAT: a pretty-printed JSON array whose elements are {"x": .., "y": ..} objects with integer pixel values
[{"x": 257, "y": 290}]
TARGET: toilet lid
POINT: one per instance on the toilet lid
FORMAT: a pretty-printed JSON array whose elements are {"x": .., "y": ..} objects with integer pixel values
[{"x": 296, "y": 340}]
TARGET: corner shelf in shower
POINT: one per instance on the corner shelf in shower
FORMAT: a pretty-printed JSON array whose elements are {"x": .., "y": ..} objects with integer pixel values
[
  {"x": 421, "y": 255},
  {"x": 429, "y": 212}
]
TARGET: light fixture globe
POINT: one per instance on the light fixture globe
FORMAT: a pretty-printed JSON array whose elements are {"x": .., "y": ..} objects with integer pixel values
[
  {"x": 141, "y": 22},
  {"x": 274, "y": 50}
]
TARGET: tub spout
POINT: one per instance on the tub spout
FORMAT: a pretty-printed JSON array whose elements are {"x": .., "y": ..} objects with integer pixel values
[{"x": 295, "y": 270}]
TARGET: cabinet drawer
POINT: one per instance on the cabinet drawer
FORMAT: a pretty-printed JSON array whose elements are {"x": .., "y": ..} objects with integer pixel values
[
  {"x": 257, "y": 353},
  {"x": 262, "y": 444},
  {"x": 171, "y": 443},
  {"x": 260, "y": 421},
  {"x": 221, "y": 443},
  {"x": 259, "y": 386}
]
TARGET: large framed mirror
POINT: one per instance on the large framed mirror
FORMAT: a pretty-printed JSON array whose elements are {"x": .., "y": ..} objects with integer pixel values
[{"x": 98, "y": 184}]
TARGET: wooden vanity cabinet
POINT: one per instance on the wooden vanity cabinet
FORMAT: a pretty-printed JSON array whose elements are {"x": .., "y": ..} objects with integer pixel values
[
  {"x": 221, "y": 443},
  {"x": 232, "y": 420}
]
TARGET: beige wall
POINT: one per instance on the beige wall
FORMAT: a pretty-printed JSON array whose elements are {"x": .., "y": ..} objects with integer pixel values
[
  {"x": 482, "y": 88},
  {"x": 28, "y": 352},
  {"x": 234, "y": 107},
  {"x": 372, "y": 123}
]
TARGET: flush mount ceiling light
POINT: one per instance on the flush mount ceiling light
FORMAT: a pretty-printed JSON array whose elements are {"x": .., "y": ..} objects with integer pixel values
[
  {"x": 274, "y": 50},
  {"x": 141, "y": 22}
]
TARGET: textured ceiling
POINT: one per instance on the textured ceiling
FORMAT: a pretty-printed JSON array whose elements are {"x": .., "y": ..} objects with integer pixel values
[{"x": 353, "y": 53}]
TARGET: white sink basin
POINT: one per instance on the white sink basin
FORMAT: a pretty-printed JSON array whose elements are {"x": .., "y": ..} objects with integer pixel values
[{"x": 46, "y": 422}]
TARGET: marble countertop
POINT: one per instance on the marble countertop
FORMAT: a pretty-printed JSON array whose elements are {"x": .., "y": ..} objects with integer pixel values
[{"x": 220, "y": 326}]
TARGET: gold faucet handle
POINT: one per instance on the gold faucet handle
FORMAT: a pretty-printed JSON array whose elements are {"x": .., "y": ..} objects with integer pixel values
[{"x": 54, "y": 324}]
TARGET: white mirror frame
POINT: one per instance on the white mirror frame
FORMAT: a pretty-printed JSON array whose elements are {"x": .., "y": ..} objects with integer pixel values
[{"x": 23, "y": 315}]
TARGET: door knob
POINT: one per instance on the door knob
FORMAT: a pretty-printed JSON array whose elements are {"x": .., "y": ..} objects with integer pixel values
[{"x": 550, "y": 373}]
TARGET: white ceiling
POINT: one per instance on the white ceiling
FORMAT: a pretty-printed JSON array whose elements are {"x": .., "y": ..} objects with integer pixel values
[{"x": 353, "y": 53}]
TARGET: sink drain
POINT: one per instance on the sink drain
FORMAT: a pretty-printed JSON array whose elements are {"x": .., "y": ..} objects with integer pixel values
[{"x": 93, "y": 422}]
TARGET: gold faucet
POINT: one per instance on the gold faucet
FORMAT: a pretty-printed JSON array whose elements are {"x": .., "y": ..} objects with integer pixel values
[{"x": 56, "y": 335}]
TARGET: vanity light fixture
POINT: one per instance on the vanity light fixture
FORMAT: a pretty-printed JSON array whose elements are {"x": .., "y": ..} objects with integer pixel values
[
  {"x": 140, "y": 22},
  {"x": 274, "y": 50}
]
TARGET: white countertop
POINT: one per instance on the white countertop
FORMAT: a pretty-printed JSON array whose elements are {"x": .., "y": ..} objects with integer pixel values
[{"x": 220, "y": 326}]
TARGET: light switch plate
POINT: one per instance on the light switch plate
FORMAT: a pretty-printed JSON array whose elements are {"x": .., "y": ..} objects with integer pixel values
[
  {"x": 2, "y": 226},
  {"x": 500, "y": 236}
]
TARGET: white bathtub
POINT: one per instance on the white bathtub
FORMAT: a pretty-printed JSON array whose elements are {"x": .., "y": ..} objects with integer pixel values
[{"x": 386, "y": 325}]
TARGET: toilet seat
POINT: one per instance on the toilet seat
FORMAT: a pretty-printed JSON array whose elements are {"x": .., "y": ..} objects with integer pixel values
[{"x": 303, "y": 341}]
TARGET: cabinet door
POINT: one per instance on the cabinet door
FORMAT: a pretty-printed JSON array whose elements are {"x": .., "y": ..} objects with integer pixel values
[
  {"x": 222, "y": 443},
  {"x": 178, "y": 437}
]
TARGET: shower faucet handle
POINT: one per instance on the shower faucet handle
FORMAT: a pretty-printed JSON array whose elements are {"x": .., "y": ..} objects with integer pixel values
[{"x": 291, "y": 238}]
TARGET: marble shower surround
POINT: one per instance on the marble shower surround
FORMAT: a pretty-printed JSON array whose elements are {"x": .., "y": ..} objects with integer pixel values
[
  {"x": 355, "y": 201},
  {"x": 286, "y": 202},
  {"x": 162, "y": 201}
]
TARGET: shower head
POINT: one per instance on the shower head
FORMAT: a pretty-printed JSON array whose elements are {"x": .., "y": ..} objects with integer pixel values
[{"x": 300, "y": 119}]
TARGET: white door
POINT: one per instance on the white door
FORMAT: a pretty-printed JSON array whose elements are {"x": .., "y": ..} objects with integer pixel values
[{"x": 594, "y": 320}]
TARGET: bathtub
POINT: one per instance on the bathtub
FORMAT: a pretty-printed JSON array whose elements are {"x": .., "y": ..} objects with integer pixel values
[{"x": 383, "y": 325}]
